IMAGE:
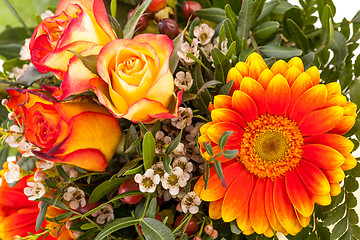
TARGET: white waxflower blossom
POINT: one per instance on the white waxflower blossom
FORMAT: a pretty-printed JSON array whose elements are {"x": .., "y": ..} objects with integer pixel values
[
  {"x": 161, "y": 142},
  {"x": 183, "y": 80},
  {"x": 183, "y": 163},
  {"x": 185, "y": 115},
  {"x": 192, "y": 130},
  {"x": 13, "y": 175},
  {"x": 106, "y": 213},
  {"x": 175, "y": 180},
  {"x": 148, "y": 181},
  {"x": 14, "y": 139},
  {"x": 186, "y": 48},
  {"x": 158, "y": 168},
  {"x": 72, "y": 173},
  {"x": 75, "y": 196},
  {"x": 25, "y": 50},
  {"x": 40, "y": 175},
  {"x": 27, "y": 147},
  {"x": 207, "y": 51},
  {"x": 190, "y": 203},
  {"x": 164, "y": 194},
  {"x": 203, "y": 33},
  {"x": 34, "y": 190},
  {"x": 46, "y": 14},
  {"x": 44, "y": 164},
  {"x": 180, "y": 149}
]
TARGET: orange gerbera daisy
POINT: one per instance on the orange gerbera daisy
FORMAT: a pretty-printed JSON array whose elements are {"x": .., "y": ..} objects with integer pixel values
[{"x": 287, "y": 128}]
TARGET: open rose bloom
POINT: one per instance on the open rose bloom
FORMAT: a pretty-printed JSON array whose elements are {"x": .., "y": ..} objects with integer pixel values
[
  {"x": 81, "y": 133},
  {"x": 77, "y": 26}
]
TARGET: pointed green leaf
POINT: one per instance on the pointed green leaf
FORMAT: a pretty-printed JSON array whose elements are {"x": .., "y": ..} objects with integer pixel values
[
  {"x": 224, "y": 90},
  {"x": 327, "y": 30},
  {"x": 174, "y": 143},
  {"x": 130, "y": 26},
  {"x": 223, "y": 139},
  {"x": 41, "y": 216},
  {"x": 116, "y": 26},
  {"x": 174, "y": 58},
  {"x": 230, "y": 33},
  {"x": 339, "y": 229},
  {"x": 104, "y": 188},
  {"x": 258, "y": 7},
  {"x": 308, "y": 60},
  {"x": 265, "y": 30},
  {"x": 150, "y": 212},
  {"x": 27, "y": 163},
  {"x": 222, "y": 64},
  {"x": 154, "y": 229},
  {"x": 216, "y": 15},
  {"x": 297, "y": 35},
  {"x": 116, "y": 225},
  {"x": 268, "y": 8},
  {"x": 54, "y": 202},
  {"x": 219, "y": 172},
  {"x": 339, "y": 46},
  {"x": 230, "y": 154},
  {"x": 245, "y": 20},
  {"x": 148, "y": 150},
  {"x": 279, "y": 52},
  {"x": 208, "y": 148},
  {"x": 89, "y": 61},
  {"x": 229, "y": 13},
  {"x": 166, "y": 163}
]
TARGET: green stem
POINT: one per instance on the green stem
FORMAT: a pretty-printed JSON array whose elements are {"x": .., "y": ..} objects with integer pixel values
[{"x": 146, "y": 205}]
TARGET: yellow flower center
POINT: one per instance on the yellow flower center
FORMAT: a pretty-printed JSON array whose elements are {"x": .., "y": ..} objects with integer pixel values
[{"x": 272, "y": 145}]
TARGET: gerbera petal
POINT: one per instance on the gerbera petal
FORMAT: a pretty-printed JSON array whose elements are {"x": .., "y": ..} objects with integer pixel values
[
  {"x": 215, "y": 209},
  {"x": 269, "y": 207},
  {"x": 245, "y": 105},
  {"x": 339, "y": 143},
  {"x": 227, "y": 115},
  {"x": 298, "y": 194},
  {"x": 284, "y": 209},
  {"x": 314, "y": 74},
  {"x": 323, "y": 200},
  {"x": 350, "y": 162},
  {"x": 222, "y": 101},
  {"x": 334, "y": 175},
  {"x": 215, "y": 190},
  {"x": 323, "y": 156},
  {"x": 321, "y": 121},
  {"x": 304, "y": 221},
  {"x": 301, "y": 85},
  {"x": 235, "y": 76},
  {"x": 256, "y": 92},
  {"x": 265, "y": 77},
  {"x": 313, "y": 178},
  {"x": 296, "y": 62},
  {"x": 252, "y": 57},
  {"x": 279, "y": 67},
  {"x": 277, "y": 95},
  {"x": 244, "y": 223},
  {"x": 243, "y": 68},
  {"x": 237, "y": 196},
  {"x": 215, "y": 131},
  {"x": 292, "y": 74},
  {"x": 335, "y": 189},
  {"x": 257, "y": 66},
  {"x": 257, "y": 212},
  {"x": 344, "y": 125}
]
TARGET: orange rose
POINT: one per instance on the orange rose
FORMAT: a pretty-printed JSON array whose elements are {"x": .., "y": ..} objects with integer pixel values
[
  {"x": 77, "y": 25},
  {"x": 81, "y": 133},
  {"x": 17, "y": 213},
  {"x": 136, "y": 82}
]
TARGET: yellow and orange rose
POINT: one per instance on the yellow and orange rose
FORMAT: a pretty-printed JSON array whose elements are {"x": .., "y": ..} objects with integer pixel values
[
  {"x": 81, "y": 133},
  {"x": 77, "y": 25}
]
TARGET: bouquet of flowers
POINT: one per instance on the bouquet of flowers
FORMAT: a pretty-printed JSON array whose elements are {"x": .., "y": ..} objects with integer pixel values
[{"x": 164, "y": 119}]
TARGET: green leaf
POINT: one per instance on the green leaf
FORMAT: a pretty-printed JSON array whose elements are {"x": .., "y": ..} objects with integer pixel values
[
  {"x": 268, "y": 8},
  {"x": 339, "y": 46},
  {"x": 351, "y": 184},
  {"x": 204, "y": 99},
  {"x": 206, "y": 174},
  {"x": 104, "y": 188},
  {"x": 229, "y": 13},
  {"x": 230, "y": 33},
  {"x": 142, "y": 127},
  {"x": 61, "y": 172},
  {"x": 337, "y": 214},
  {"x": 41, "y": 216},
  {"x": 223, "y": 139},
  {"x": 357, "y": 66},
  {"x": 87, "y": 226},
  {"x": 216, "y": 15},
  {"x": 130, "y": 26},
  {"x": 174, "y": 58},
  {"x": 128, "y": 165},
  {"x": 351, "y": 200},
  {"x": 207, "y": 85},
  {"x": 4, "y": 153},
  {"x": 297, "y": 35},
  {"x": 308, "y": 60},
  {"x": 293, "y": 13},
  {"x": 353, "y": 217},
  {"x": 55, "y": 203},
  {"x": 27, "y": 163},
  {"x": 355, "y": 172},
  {"x": 18, "y": 17},
  {"x": 30, "y": 76},
  {"x": 230, "y": 154},
  {"x": 8, "y": 65},
  {"x": 339, "y": 229},
  {"x": 224, "y": 90},
  {"x": 116, "y": 225},
  {"x": 279, "y": 52},
  {"x": 174, "y": 143},
  {"x": 208, "y": 148},
  {"x": 258, "y": 7},
  {"x": 116, "y": 25},
  {"x": 219, "y": 172},
  {"x": 265, "y": 30},
  {"x": 134, "y": 170},
  {"x": 62, "y": 216},
  {"x": 113, "y": 8},
  {"x": 89, "y": 61},
  {"x": 150, "y": 212},
  {"x": 166, "y": 163},
  {"x": 245, "y": 20},
  {"x": 356, "y": 231},
  {"x": 327, "y": 30},
  {"x": 222, "y": 64},
  {"x": 154, "y": 229}
]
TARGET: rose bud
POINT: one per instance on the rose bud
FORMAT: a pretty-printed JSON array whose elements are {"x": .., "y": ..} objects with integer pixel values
[
  {"x": 169, "y": 27},
  {"x": 142, "y": 23},
  {"x": 156, "y": 5},
  {"x": 130, "y": 185},
  {"x": 192, "y": 227},
  {"x": 189, "y": 9}
]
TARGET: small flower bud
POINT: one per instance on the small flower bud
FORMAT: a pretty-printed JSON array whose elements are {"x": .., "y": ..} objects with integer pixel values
[
  {"x": 142, "y": 23},
  {"x": 11, "y": 116},
  {"x": 189, "y": 9},
  {"x": 4, "y": 102},
  {"x": 169, "y": 27},
  {"x": 68, "y": 224},
  {"x": 214, "y": 234},
  {"x": 197, "y": 238},
  {"x": 39, "y": 176},
  {"x": 208, "y": 229}
]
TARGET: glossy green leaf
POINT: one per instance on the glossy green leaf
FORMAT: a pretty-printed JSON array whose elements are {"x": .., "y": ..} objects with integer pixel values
[
  {"x": 336, "y": 214},
  {"x": 219, "y": 172},
  {"x": 150, "y": 212},
  {"x": 339, "y": 46},
  {"x": 54, "y": 202},
  {"x": 134, "y": 170},
  {"x": 257, "y": 9},
  {"x": 224, "y": 90},
  {"x": 351, "y": 200},
  {"x": 308, "y": 59},
  {"x": 154, "y": 229},
  {"x": 174, "y": 143},
  {"x": 327, "y": 30},
  {"x": 229, "y": 13},
  {"x": 116, "y": 225},
  {"x": 293, "y": 13},
  {"x": 245, "y": 20},
  {"x": 357, "y": 66},
  {"x": 113, "y": 8},
  {"x": 230, "y": 154},
  {"x": 41, "y": 216},
  {"x": 222, "y": 64},
  {"x": 216, "y": 15},
  {"x": 130, "y": 26},
  {"x": 128, "y": 165},
  {"x": 104, "y": 188},
  {"x": 230, "y": 34},
  {"x": 351, "y": 184},
  {"x": 166, "y": 163},
  {"x": 339, "y": 229},
  {"x": 223, "y": 139},
  {"x": 297, "y": 35},
  {"x": 148, "y": 150},
  {"x": 279, "y": 52},
  {"x": 265, "y": 30},
  {"x": 27, "y": 163},
  {"x": 268, "y": 8}
]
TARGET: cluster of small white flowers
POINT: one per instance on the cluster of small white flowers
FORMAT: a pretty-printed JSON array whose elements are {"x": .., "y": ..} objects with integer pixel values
[
  {"x": 183, "y": 81},
  {"x": 106, "y": 213},
  {"x": 14, "y": 173},
  {"x": 176, "y": 180},
  {"x": 203, "y": 33},
  {"x": 185, "y": 115},
  {"x": 75, "y": 196},
  {"x": 161, "y": 142},
  {"x": 25, "y": 50},
  {"x": 148, "y": 181},
  {"x": 190, "y": 203},
  {"x": 187, "y": 48},
  {"x": 44, "y": 164},
  {"x": 34, "y": 190},
  {"x": 16, "y": 139},
  {"x": 184, "y": 164}
]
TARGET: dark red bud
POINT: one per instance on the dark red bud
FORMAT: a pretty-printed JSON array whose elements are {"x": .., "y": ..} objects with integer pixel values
[
  {"x": 189, "y": 9},
  {"x": 169, "y": 27},
  {"x": 142, "y": 23}
]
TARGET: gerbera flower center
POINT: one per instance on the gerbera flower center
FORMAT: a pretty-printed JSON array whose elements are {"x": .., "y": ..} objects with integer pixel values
[{"x": 272, "y": 145}]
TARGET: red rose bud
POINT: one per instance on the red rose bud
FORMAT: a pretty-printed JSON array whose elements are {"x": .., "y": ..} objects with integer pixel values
[
  {"x": 130, "y": 185},
  {"x": 156, "y": 5},
  {"x": 142, "y": 23},
  {"x": 169, "y": 27},
  {"x": 189, "y": 9}
]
